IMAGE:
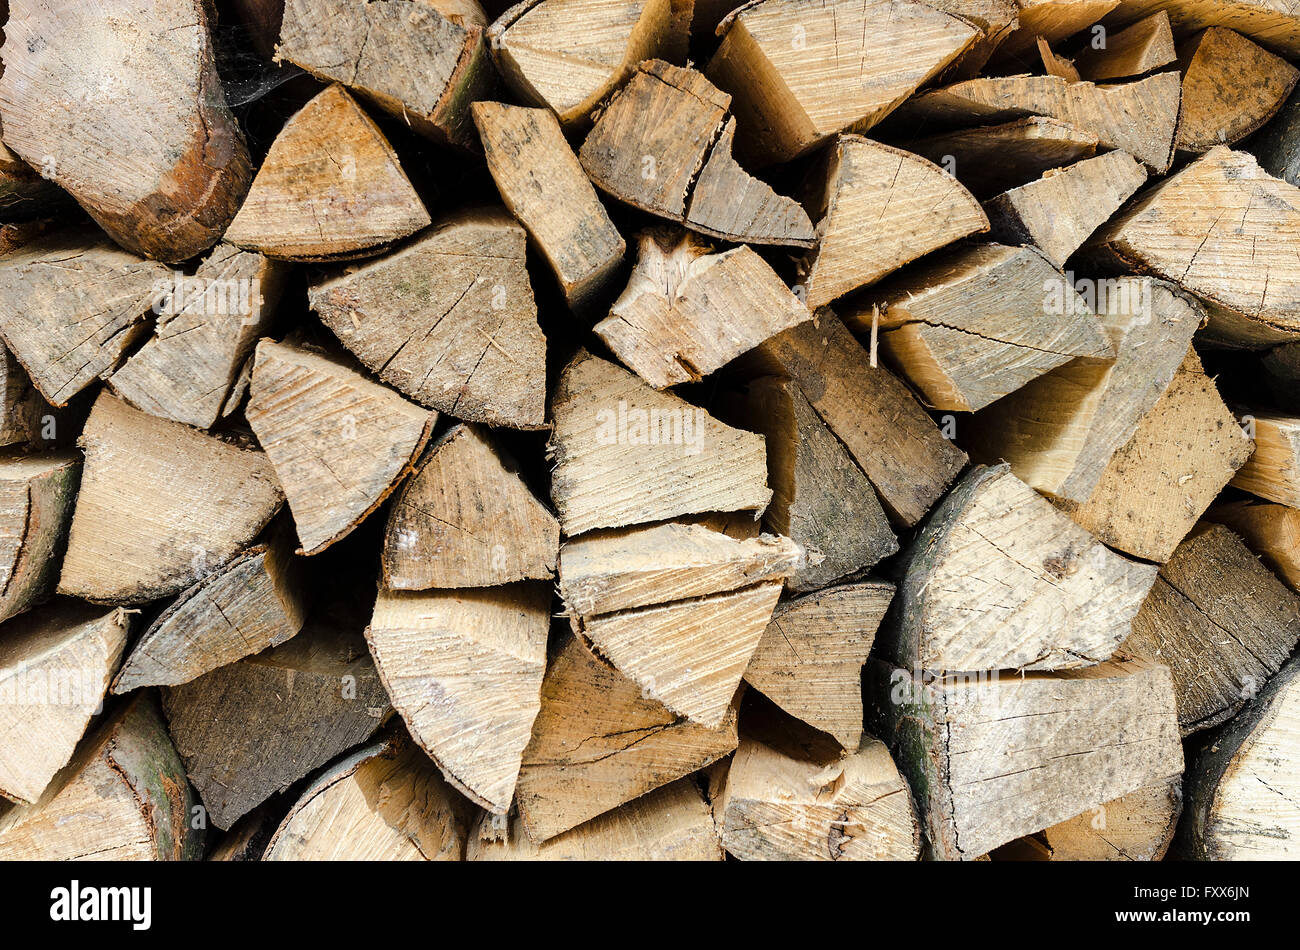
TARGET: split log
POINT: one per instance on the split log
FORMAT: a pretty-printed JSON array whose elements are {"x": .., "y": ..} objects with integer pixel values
[
  {"x": 687, "y": 312},
  {"x": 1140, "y": 117},
  {"x": 995, "y": 19},
  {"x": 544, "y": 186},
  {"x": 876, "y": 418},
  {"x": 1056, "y": 65},
  {"x": 993, "y": 758},
  {"x": 71, "y": 305},
  {"x": 123, "y": 797},
  {"x": 195, "y": 502},
  {"x": 599, "y": 742},
  {"x": 820, "y": 498},
  {"x": 801, "y": 71},
  {"x": 809, "y": 661},
  {"x": 1053, "y": 21},
  {"x": 672, "y": 823},
  {"x": 1220, "y": 621},
  {"x": 1277, "y": 146},
  {"x": 975, "y": 325},
  {"x": 55, "y": 665},
  {"x": 25, "y": 416},
  {"x": 449, "y": 320},
  {"x": 878, "y": 208},
  {"x": 775, "y": 807},
  {"x": 998, "y": 579},
  {"x": 384, "y": 802},
  {"x": 82, "y": 87},
  {"x": 1160, "y": 482},
  {"x": 569, "y": 55},
  {"x": 207, "y": 328},
  {"x": 1059, "y": 431},
  {"x": 1225, "y": 230},
  {"x": 253, "y": 603},
  {"x": 1138, "y": 826},
  {"x": 464, "y": 669},
  {"x": 1271, "y": 531},
  {"x": 249, "y": 730},
  {"x": 1135, "y": 51},
  {"x": 625, "y": 454},
  {"x": 37, "y": 494},
  {"x": 1274, "y": 26},
  {"x": 421, "y": 61},
  {"x": 466, "y": 519},
  {"x": 1231, "y": 87},
  {"x": 1058, "y": 212},
  {"x": 991, "y": 159},
  {"x": 330, "y": 187},
  {"x": 339, "y": 441},
  {"x": 1273, "y": 470},
  {"x": 663, "y": 144}
]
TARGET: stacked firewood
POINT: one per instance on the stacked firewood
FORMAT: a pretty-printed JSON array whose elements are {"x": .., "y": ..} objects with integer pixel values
[{"x": 668, "y": 429}]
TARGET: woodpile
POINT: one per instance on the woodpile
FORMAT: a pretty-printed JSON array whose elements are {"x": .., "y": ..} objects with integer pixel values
[{"x": 650, "y": 430}]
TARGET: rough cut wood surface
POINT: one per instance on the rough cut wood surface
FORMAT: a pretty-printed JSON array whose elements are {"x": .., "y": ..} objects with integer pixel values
[
  {"x": 1271, "y": 531},
  {"x": 1273, "y": 470},
  {"x": 1053, "y": 20},
  {"x": 1134, "y": 51},
  {"x": 37, "y": 493},
  {"x": 24, "y": 413},
  {"x": 1138, "y": 826}
]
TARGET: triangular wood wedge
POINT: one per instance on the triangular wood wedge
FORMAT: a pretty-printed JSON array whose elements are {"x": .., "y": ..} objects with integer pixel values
[
  {"x": 1050, "y": 20},
  {"x": 996, "y": 21},
  {"x": 1138, "y": 826},
  {"x": 1231, "y": 87},
  {"x": 329, "y": 188},
  {"x": 464, "y": 669},
  {"x": 137, "y": 78},
  {"x": 207, "y": 328},
  {"x": 626, "y": 454},
  {"x": 809, "y": 660},
  {"x": 975, "y": 325},
  {"x": 195, "y": 503},
  {"x": 1273, "y": 469},
  {"x": 877, "y": 208},
  {"x": 687, "y": 312},
  {"x": 55, "y": 664},
  {"x": 466, "y": 519},
  {"x": 24, "y": 413},
  {"x": 1146, "y": 45},
  {"x": 71, "y": 304},
  {"x": 1276, "y": 26},
  {"x": 449, "y": 320},
  {"x": 998, "y": 579},
  {"x": 801, "y": 72},
  {"x": 339, "y": 441},
  {"x": 1271, "y": 531},
  {"x": 37, "y": 494},
  {"x": 599, "y": 742}
]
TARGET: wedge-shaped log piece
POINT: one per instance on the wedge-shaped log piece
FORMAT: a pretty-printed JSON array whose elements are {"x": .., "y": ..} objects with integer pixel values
[
  {"x": 329, "y": 188},
  {"x": 1231, "y": 87},
  {"x": 1138, "y": 826},
  {"x": 777, "y": 807},
  {"x": 339, "y": 441},
  {"x": 820, "y": 498},
  {"x": 1225, "y": 230},
  {"x": 421, "y": 61},
  {"x": 625, "y": 454},
  {"x": 195, "y": 502},
  {"x": 874, "y": 415},
  {"x": 70, "y": 306},
  {"x": 1146, "y": 45},
  {"x": 251, "y": 729},
  {"x": 464, "y": 669},
  {"x": 1051, "y": 20},
  {"x": 687, "y": 312},
  {"x": 809, "y": 661},
  {"x": 55, "y": 664},
  {"x": 1059, "y": 431},
  {"x": 1271, "y": 531},
  {"x": 1220, "y": 621},
  {"x": 1139, "y": 117},
  {"x": 449, "y": 320},
  {"x": 24, "y": 413},
  {"x": 975, "y": 325},
  {"x": 1160, "y": 482},
  {"x": 1277, "y": 27},
  {"x": 207, "y": 327},
  {"x": 37, "y": 493},
  {"x": 994, "y": 757},
  {"x": 1058, "y": 212},
  {"x": 1273, "y": 470},
  {"x": 568, "y": 55},
  {"x": 878, "y": 208},
  {"x": 1000, "y": 580},
  {"x": 990, "y": 159},
  {"x": 466, "y": 519},
  {"x": 996, "y": 19},
  {"x": 384, "y": 802},
  {"x": 802, "y": 70},
  {"x": 600, "y": 742},
  {"x": 253, "y": 603},
  {"x": 544, "y": 186},
  {"x": 123, "y": 797},
  {"x": 664, "y": 145},
  {"x": 163, "y": 106}
]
